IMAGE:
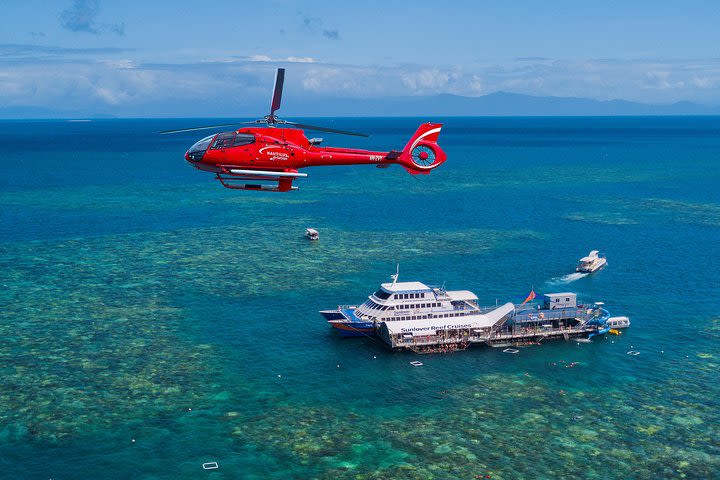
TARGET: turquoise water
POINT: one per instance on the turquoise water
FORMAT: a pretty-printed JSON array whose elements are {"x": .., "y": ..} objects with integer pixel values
[{"x": 153, "y": 321}]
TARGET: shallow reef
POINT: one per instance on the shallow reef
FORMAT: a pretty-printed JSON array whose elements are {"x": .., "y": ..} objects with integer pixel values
[{"x": 504, "y": 426}]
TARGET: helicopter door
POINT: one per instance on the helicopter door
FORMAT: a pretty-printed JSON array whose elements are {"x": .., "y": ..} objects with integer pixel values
[
  {"x": 222, "y": 143},
  {"x": 244, "y": 146}
]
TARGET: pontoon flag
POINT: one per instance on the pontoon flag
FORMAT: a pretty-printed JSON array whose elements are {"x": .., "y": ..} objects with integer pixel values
[{"x": 530, "y": 297}]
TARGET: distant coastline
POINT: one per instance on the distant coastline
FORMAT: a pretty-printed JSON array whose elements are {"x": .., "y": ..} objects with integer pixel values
[{"x": 444, "y": 105}]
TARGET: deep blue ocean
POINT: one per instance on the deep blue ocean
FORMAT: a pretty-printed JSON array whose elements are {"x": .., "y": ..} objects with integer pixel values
[{"x": 152, "y": 321}]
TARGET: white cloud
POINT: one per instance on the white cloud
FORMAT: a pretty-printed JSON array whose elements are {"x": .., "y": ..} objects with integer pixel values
[
  {"x": 266, "y": 58},
  {"x": 124, "y": 86},
  {"x": 300, "y": 59},
  {"x": 426, "y": 79}
]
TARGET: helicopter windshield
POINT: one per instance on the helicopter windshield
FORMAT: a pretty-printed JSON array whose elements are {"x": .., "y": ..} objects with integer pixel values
[{"x": 196, "y": 152}]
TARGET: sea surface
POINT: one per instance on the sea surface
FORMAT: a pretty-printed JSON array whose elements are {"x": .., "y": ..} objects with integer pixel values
[{"x": 152, "y": 321}]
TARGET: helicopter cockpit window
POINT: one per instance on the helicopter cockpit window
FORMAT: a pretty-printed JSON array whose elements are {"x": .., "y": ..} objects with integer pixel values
[
  {"x": 223, "y": 140},
  {"x": 243, "y": 139}
]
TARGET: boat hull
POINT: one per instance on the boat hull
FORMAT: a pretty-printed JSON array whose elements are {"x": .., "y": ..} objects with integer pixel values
[
  {"x": 592, "y": 269},
  {"x": 352, "y": 329},
  {"x": 344, "y": 321}
]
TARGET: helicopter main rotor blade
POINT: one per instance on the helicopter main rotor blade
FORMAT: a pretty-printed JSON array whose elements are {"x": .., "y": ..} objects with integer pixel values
[
  {"x": 277, "y": 91},
  {"x": 325, "y": 129},
  {"x": 192, "y": 129}
]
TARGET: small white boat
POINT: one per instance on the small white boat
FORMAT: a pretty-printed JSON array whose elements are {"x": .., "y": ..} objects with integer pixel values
[
  {"x": 592, "y": 263},
  {"x": 312, "y": 234}
]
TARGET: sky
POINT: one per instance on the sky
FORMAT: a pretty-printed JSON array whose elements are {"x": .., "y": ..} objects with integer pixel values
[{"x": 189, "y": 58}]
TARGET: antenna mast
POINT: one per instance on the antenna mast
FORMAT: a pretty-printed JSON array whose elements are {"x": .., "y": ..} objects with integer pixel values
[{"x": 397, "y": 274}]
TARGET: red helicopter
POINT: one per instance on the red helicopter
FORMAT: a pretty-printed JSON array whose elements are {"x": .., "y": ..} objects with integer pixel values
[{"x": 268, "y": 158}]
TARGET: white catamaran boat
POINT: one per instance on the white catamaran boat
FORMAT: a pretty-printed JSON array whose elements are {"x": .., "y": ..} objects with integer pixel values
[
  {"x": 312, "y": 234},
  {"x": 426, "y": 319},
  {"x": 407, "y": 301},
  {"x": 592, "y": 263}
]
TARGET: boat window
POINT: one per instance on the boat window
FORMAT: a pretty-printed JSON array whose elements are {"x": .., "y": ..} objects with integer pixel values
[
  {"x": 243, "y": 139},
  {"x": 382, "y": 294}
]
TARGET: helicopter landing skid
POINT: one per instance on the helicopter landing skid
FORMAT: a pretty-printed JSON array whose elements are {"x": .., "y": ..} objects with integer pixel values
[{"x": 235, "y": 182}]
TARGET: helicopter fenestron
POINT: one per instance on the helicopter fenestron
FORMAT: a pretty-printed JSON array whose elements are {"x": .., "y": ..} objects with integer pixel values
[{"x": 268, "y": 156}]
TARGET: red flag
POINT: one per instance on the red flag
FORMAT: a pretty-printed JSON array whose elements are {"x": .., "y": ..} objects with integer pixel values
[{"x": 530, "y": 297}]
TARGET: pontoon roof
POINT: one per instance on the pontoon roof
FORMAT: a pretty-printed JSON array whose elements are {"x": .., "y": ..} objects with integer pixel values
[{"x": 429, "y": 326}]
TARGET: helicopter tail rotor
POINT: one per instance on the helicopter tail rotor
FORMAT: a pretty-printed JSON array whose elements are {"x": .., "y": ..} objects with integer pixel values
[{"x": 422, "y": 153}]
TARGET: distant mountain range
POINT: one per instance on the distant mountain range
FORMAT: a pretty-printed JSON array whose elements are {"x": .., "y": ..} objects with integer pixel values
[{"x": 445, "y": 105}]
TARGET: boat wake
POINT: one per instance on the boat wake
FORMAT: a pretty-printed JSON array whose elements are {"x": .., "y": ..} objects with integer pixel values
[{"x": 570, "y": 277}]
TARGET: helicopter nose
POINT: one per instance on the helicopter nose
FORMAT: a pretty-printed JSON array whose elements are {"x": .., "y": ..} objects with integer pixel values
[
  {"x": 197, "y": 151},
  {"x": 194, "y": 157}
]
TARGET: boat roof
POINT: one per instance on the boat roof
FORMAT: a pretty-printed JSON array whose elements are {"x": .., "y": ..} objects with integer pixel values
[
  {"x": 311, "y": 230},
  {"x": 429, "y": 326},
  {"x": 459, "y": 295},
  {"x": 404, "y": 286}
]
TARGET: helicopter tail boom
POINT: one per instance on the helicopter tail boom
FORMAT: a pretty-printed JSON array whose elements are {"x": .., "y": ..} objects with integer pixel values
[{"x": 422, "y": 153}]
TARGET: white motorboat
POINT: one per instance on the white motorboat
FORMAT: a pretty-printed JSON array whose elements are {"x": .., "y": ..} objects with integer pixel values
[
  {"x": 592, "y": 263},
  {"x": 312, "y": 234}
]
